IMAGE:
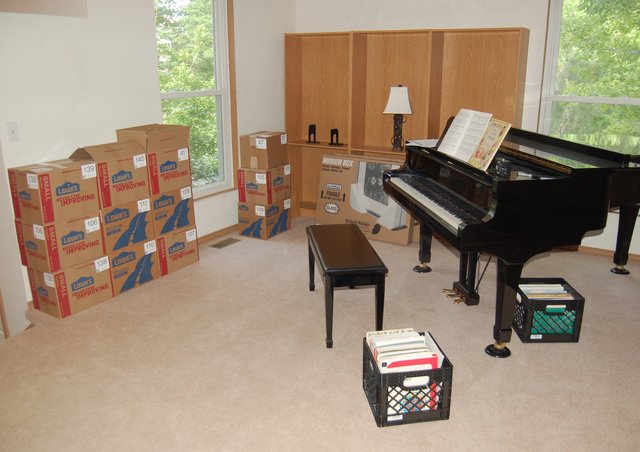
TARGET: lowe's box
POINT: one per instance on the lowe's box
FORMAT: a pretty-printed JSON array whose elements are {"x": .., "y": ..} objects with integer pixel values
[
  {"x": 134, "y": 265},
  {"x": 122, "y": 171},
  {"x": 173, "y": 211},
  {"x": 127, "y": 224},
  {"x": 59, "y": 245},
  {"x": 264, "y": 186},
  {"x": 264, "y": 221},
  {"x": 263, "y": 150},
  {"x": 351, "y": 192},
  {"x": 46, "y": 192},
  {"x": 71, "y": 290},
  {"x": 167, "y": 148},
  {"x": 177, "y": 249}
]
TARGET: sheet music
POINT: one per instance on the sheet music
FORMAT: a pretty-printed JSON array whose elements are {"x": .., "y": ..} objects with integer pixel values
[{"x": 465, "y": 133}]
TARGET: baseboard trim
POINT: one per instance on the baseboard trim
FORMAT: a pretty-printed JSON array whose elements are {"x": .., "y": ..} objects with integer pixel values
[
  {"x": 603, "y": 252},
  {"x": 217, "y": 234}
]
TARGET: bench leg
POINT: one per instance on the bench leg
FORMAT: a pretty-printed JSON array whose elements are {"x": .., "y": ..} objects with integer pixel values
[
  {"x": 379, "y": 302},
  {"x": 328, "y": 307},
  {"x": 312, "y": 285}
]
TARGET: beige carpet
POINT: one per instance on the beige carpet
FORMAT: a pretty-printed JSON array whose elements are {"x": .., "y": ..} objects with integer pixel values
[{"x": 229, "y": 355}]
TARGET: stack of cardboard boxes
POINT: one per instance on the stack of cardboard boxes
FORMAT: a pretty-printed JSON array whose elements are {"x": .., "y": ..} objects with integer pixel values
[
  {"x": 172, "y": 214},
  {"x": 87, "y": 226},
  {"x": 264, "y": 185},
  {"x": 57, "y": 217}
]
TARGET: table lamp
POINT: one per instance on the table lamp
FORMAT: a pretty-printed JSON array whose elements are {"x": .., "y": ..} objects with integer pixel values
[{"x": 398, "y": 105}]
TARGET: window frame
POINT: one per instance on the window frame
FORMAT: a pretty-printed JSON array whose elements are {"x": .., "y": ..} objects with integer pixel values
[
  {"x": 222, "y": 92},
  {"x": 549, "y": 75}
]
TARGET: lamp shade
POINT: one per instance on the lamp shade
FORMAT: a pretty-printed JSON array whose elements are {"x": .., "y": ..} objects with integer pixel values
[{"x": 398, "y": 103}]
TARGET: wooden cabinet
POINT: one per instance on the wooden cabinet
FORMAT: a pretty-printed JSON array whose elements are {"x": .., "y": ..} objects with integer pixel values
[{"x": 342, "y": 80}]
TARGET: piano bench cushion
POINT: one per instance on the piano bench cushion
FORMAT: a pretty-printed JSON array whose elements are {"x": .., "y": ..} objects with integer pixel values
[{"x": 343, "y": 252}]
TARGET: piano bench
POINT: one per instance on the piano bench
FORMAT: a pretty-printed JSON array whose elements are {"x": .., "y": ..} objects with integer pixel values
[{"x": 345, "y": 259}]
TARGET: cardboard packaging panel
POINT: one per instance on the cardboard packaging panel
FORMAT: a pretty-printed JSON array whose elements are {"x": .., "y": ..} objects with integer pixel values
[
  {"x": 264, "y": 186},
  {"x": 46, "y": 192},
  {"x": 264, "y": 221},
  {"x": 167, "y": 148},
  {"x": 351, "y": 191},
  {"x": 177, "y": 249},
  {"x": 263, "y": 150},
  {"x": 173, "y": 211},
  {"x": 122, "y": 171},
  {"x": 55, "y": 246},
  {"x": 134, "y": 265},
  {"x": 126, "y": 224},
  {"x": 73, "y": 289}
]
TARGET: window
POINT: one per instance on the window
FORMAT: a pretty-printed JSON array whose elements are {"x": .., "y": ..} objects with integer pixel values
[
  {"x": 592, "y": 75},
  {"x": 194, "y": 84}
]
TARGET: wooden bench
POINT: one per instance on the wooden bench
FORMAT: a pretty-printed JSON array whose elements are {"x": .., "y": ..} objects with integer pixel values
[{"x": 345, "y": 259}]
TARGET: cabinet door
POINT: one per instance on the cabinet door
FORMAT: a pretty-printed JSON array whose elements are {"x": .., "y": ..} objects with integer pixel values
[{"x": 480, "y": 70}]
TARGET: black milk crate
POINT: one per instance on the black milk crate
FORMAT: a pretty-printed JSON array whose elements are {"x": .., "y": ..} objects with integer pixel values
[
  {"x": 395, "y": 401},
  {"x": 548, "y": 320}
]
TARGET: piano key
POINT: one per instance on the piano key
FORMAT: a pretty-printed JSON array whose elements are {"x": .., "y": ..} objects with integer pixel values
[{"x": 450, "y": 220}]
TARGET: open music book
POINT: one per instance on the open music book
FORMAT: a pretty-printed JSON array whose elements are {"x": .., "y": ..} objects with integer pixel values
[{"x": 474, "y": 137}]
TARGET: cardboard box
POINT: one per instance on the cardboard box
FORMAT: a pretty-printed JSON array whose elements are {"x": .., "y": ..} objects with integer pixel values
[
  {"x": 71, "y": 290},
  {"x": 134, "y": 265},
  {"x": 177, "y": 249},
  {"x": 264, "y": 186},
  {"x": 46, "y": 192},
  {"x": 126, "y": 224},
  {"x": 351, "y": 191},
  {"x": 167, "y": 148},
  {"x": 122, "y": 171},
  {"x": 263, "y": 150},
  {"x": 173, "y": 211},
  {"x": 264, "y": 221},
  {"x": 54, "y": 246}
]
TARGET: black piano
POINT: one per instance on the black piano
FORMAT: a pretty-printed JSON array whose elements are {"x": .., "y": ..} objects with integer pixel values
[{"x": 539, "y": 193}]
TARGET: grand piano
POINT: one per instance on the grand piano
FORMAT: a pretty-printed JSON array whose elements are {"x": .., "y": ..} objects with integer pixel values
[{"x": 539, "y": 193}]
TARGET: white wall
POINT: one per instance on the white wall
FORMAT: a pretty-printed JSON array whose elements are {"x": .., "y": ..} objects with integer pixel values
[
  {"x": 68, "y": 82},
  {"x": 259, "y": 34}
]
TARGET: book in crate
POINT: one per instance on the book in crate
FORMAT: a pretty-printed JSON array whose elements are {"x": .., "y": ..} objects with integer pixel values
[
  {"x": 408, "y": 388},
  {"x": 547, "y": 310}
]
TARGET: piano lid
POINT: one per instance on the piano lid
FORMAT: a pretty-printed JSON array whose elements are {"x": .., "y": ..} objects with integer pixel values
[{"x": 573, "y": 155}]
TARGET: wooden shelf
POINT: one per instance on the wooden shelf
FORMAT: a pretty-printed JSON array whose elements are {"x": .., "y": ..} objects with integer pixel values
[{"x": 341, "y": 81}]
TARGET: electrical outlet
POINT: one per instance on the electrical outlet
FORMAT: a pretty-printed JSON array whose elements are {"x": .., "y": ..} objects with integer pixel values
[{"x": 12, "y": 130}]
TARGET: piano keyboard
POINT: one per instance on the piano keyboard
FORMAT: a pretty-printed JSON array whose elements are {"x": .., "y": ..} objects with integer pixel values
[{"x": 426, "y": 192}]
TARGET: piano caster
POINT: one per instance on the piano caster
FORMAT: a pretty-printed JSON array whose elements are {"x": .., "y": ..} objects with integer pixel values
[
  {"x": 422, "y": 268},
  {"x": 498, "y": 350},
  {"x": 620, "y": 270}
]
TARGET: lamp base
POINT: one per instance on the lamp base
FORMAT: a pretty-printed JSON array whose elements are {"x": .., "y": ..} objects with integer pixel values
[{"x": 397, "y": 141}]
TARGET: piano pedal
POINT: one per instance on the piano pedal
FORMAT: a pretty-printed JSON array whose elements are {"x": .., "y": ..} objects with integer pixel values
[{"x": 454, "y": 295}]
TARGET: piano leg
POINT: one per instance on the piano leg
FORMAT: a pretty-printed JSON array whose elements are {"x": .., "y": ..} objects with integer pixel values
[
  {"x": 508, "y": 279},
  {"x": 424, "y": 255},
  {"x": 626, "y": 223},
  {"x": 465, "y": 286}
]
